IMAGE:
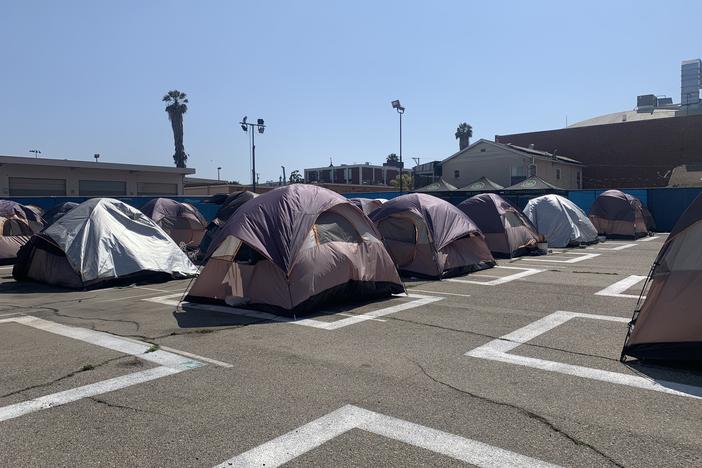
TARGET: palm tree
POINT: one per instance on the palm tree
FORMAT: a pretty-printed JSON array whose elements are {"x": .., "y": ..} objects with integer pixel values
[
  {"x": 392, "y": 158},
  {"x": 177, "y": 106},
  {"x": 296, "y": 177},
  {"x": 464, "y": 132}
]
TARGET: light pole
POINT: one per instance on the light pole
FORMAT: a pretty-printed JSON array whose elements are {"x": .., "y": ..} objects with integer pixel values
[
  {"x": 400, "y": 110},
  {"x": 36, "y": 152},
  {"x": 218, "y": 169},
  {"x": 245, "y": 126}
]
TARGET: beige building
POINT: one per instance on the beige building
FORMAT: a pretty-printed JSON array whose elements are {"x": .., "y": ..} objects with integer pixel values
[
  {"x": 508, "y": 164},
  {"x": 23, "y": 177}
]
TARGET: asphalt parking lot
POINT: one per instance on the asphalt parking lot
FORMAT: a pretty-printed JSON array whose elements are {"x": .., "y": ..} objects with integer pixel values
[{"x": 516, "y": 366}]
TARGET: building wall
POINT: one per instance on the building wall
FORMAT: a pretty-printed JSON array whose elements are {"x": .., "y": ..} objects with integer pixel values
[
  {"x": 504, "y": 167},
  {"x": 73, "y": 176},
  {"x": 622, "y": 155}
]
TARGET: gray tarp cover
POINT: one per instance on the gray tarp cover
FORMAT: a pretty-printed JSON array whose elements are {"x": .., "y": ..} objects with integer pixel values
[
  {"x": 104, "y": 238},
  {"x": 560, "y": 220},
  {"x": 276, "y": 225},
  {"x": 446, "y": 222}
]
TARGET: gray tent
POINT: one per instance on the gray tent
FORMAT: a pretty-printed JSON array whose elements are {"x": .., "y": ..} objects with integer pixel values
[
  {"x": 98, "y": 243},
  {"x": 427, "y": 236},
  {"x": 560, "y": 221},
  {"x": 293, "y": 250}
]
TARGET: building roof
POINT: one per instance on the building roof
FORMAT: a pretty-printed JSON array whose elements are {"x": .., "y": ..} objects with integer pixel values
[
  {"x": 626, "y": 116},
  {"x": 480, "y": 185},
  {"x": 92, "y": 165},
  {"x": 439, "y": 186},
  {"x": 522, "y": 151},
  {"x": 533, "y": 183}
]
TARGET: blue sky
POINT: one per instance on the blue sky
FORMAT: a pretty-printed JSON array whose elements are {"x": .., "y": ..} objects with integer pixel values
[{"x": 80, "y": 77}]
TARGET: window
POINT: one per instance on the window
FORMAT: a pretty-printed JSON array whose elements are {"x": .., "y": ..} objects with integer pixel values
[
  {"x": 101, "y": 188},
  {"x": 532, "y": 170},
  {"x": 30, "y": 187},
  {"x": 156, "y": 188},
  {"x": 578, "y": 179},
  {"x": 457, "y": 174},
  {"x": 482, "y": 150},
  {"x": 558, "y": 173}
]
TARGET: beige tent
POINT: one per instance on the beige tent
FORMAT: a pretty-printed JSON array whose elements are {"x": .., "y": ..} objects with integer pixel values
[
  {"x": 668, "y": 324},
  {"x": 617, "y": 214},
  {"x": 293, "y": 250}
]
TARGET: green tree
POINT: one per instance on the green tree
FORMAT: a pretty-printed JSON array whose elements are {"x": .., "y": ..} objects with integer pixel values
[
  {"x": 464, "y": 133},
  {"x": 295, "y": 177},
  {"x": 406, "y": 181},
  {"x": 392, "y": 157},
  {"x": 176, "y": 107}
]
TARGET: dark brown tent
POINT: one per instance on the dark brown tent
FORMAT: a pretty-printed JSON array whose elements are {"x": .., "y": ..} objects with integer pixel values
[
  {"x": 429, "y": 237},
  {"x": 507, "y": 231},
  {"x": 181, "y": 221},
  {"x": 293, "y": 249},
  {"x": 617, "y": 214},
  {"x": 668, "y": 324},
  {"x": 367, "y": 205},
  {"x": 15, "y": 230},
  {"x": 229, "y": 205}
]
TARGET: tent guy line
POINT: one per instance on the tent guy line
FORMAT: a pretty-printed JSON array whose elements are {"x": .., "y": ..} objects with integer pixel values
[{"x": 498, "y": 350}]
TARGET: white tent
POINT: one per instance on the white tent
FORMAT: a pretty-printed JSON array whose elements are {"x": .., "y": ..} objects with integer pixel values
[
  {"x": 560, "y": 221},
  {"x": 99, "y": 241}
]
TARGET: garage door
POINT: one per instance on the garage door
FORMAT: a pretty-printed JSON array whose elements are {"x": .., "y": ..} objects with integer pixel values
[
  {"x": 32, "y": 187},
  {"x": 101, "y": 188},
  {"x": 155, "y": 188}
]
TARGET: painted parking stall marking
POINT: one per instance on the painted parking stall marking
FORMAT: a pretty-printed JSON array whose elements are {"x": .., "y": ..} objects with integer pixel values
[
  {"x": 618, "y": 247},
  {"x": 617, "y": 289},
  {"x": 564, "y": 257},
  {"x": 168, "y": 364},
  {"x": 647, "y": 239},
  {"x": 521, "y": 273},
  {"x": 418, "y": 301},
  {"x": 310, "y": 436},
  {"x": 498, "y": 350}
]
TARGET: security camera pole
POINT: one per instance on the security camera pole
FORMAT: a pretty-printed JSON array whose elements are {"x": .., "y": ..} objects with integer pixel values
[
  {"x": 400, "y": 110},
  {"x": 245, "y": 126}
]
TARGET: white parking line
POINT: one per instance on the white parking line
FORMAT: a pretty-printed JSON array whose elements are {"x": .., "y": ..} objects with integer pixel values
[
  {"x": 619, "y": 287},
  {"x": 620, "y": 247},
  {"x": 580, "y": 257},
  {"x": 441, "y": 293},
  {"x": 169, "y": 364},
  {"x": 498, "y": 350},
  {"x": 310, "y": 436},
  {"x": 505, "y": 279},
  {"x": 647, "y": 239},
  {"x": 419, "y": 300}
]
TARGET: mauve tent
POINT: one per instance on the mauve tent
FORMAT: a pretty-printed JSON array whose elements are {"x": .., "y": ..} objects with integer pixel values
[
  {"x": 427, "y": 236},
  {"x": 367, "y": 205},
  {"x": 507, "y": 231},
  {"x": 668, "y": 324},
  {"x": 229, "y": 205},
  {"x": 182, "y": 221},
  {"x": 617, "y": 214},
  {"x": 54, "y": 213},
  {"x": 294, "y": 249},
  {"x": 15, "y": 230}
]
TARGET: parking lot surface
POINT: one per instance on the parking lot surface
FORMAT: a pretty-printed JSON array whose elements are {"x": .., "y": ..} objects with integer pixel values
[{"x": 516, "y": 366}]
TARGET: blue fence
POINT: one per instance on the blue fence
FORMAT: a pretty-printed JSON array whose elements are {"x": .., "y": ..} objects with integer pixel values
[{"x": 666, "y": 204}]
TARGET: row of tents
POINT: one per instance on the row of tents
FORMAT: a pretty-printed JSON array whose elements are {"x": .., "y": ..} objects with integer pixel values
[{"x": 298, "y": 247}]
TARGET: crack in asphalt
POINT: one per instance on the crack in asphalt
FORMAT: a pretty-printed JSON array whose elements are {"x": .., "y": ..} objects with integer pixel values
[
  {"x": 124, "y": 407},
  {"x": 532, "y": 415},
  {"x": 86, "y": 368},
  {"x": 484, "y": 335},
  {"x": 99, "y": 319}
]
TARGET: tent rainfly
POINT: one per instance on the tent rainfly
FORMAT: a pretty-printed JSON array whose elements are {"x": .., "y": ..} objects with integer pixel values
[
  {"x": 482, "y": 184},
  {"x": 15, "y": 230},
  {"x": 54, "y": 213},
  {"x": 619, "y": 215},
  {"x": 182, "y": 221},
  {"x": 99, "y": 243},
  {"x": 429, "y": 237},
  {"x": 293, "y": 249},
  {"x": 533, "y": 183},
  {"x": 367, "y": 205},
  {"x": 439, "y": 186},
  {"x": 507, "y": 231},
  {"x": 229, "y": 205},
  {"x": 560, "y": 221},
  {"x": 667, "y": 324}
]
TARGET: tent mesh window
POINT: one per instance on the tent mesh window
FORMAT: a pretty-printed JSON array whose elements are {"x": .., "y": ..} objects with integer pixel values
[
  {"x": 14, "y": 227},
  {"x": 398, "y": 229},
  {"x": 513, "y": 220},
  {"x": 247, "y": 255},
  {"x": 333, "y": 227}
]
